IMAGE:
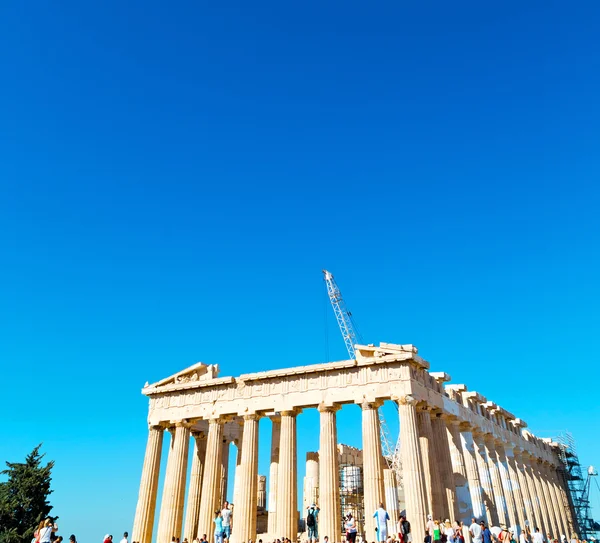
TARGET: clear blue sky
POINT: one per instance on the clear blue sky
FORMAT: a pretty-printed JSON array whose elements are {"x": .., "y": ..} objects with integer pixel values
[{"x": 175, "y": 176}]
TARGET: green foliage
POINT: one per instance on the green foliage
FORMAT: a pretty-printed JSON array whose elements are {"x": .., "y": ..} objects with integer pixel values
[{"x": 24, "y": 498}]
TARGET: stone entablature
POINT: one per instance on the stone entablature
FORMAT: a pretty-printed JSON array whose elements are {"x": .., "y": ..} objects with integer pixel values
[{"x": 462, "y": 454}]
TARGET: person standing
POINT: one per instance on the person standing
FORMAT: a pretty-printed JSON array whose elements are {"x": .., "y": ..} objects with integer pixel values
[
  {"x": 448, "y": 531},
  {"x": 381, "y": 516},
  {"x": 486, "y": 535},
  {"x": 351, "y": 529},
  {"x": 404, "y": 530},
  {"x": 125, "y": 536},
  {"x": 537, "y": 536},
  {"x": 475, "y": 531},
  {"x": 226, "y": 517},
  {"x": 218, "y": 527},
  {"x": 46, "y": 531},
  {"x": 312, "y": 514},
  {"x": 437, "y": 531}
]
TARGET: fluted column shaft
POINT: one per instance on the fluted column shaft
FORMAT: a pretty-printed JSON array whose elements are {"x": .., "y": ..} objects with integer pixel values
[
  {"x": 472, "y": 473},
  {"x": 433, "y": 484},
  {"x": 211, "y": 479},
  {"x": 329, "y": 478},
  {"x": 195, "y": 488},
  {"x": 516, "y": 487},
  {"x": 224, "y": 475},
  {"x": 171, "y": 508},
  {"x": 559, "y": 509},
  {"x": 287, "y": 478},
  {"x": 528, "y": 462},
  {"x": 390, "y": 489},
  {"x": 444, "y": 465},
  {"x": 566, "y": 498},
  {"x": 548, "y": 496},
  {"x": 461, "y": 483},
  {"x": 506, "y": 485},
  {"x": 485, "y": 479},
  {"x": 412, "y": 467},
  {"x": 530, "y": 514},
  {"x": 540, "y": 494},
  {"x": 273, "y": 471},
  {"x": 492, "y": 458},
  {"x": 146, "y": 506},
  {"x": 372, "y": 465},
  {"x": 245, "y": 518},
  {"x": 237, "y": 477}
]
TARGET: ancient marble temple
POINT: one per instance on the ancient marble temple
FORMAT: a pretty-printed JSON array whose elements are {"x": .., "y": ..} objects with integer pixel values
[{"x": 462, "y": 455}]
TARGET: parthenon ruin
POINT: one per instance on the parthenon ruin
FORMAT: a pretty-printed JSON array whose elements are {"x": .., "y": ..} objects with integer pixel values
[{"x": 462, "y": 455}]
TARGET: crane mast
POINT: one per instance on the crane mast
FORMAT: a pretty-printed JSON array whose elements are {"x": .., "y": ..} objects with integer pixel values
[{"x": 342, "y": 315}]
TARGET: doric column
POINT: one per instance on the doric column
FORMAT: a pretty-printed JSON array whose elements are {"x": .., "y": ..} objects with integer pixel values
[
  {"x": 310, "y": 492},
  {"x": 273, "y": 482},
  {"x": 390, "y": 489},
  {"x": 514, "y": 483},
  {"x": 329, "y": 477},
  {"x": 567, "y": 500},
  {"x": 434, "y": 497},
  {"x": 484, "y": 478},
  {"x": 224, "y": 475},
  {"x": 559, "y": 509},
  {"x": 461, "y": 483},
  {"x": 540, "y": 494},
  {"x": 238, "y": 461},
  {"x": 527, "y": 500},
  {"x": 548, "y": 496},
  {"x": 507, "y": 487},
  {"x": 492, "y": 458},
  {"x": 171, "y": 508},
  {"x": 528, "y": 462},
  {"x": 472, "y": 473},
  {"x": 412, "y": 467},
  {"x": 372, "y": 465},
  {"x": 444, "y": 465},
  {"x": 287, "y": 478},
  {"x": 211, "y": 481},
  {"x": 190, "y": 525},
  {"x": 245, "y": 518},
  {"x": 146, "y": 505}
]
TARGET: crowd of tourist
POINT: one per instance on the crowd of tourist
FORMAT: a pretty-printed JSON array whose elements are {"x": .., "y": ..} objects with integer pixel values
[{"x": 436, "y": 531}]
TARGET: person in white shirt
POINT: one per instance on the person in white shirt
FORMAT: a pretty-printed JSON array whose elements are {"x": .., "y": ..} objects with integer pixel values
[
  {"x": 226, "y": 515},
  {"x": 45, "y": 535},
  {"x": 475, "y": 531},
  {"x": 381, "y": 516},
  {"x": 537, "y": 536},
  {"x": 125, "y": 536}
]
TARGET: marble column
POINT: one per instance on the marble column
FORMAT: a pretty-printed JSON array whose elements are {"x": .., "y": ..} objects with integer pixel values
[
  {"x": 434, "y": 496},
  {"x": 390, "y": 488},
  {"x": 563, "y": 501},
  {"x": 245, "y": 518},
  {"x": 238, "y": 461},
  {"x": 211, "y": 479},
  {"x": 514, "y": 483},
  {"x": 412, "y": 467},
  {"x": 461, "y": 483},
  {"x": 195, "y": 487},
  {"x": 372, "y": 465},
  {"x": 287, "y": 479},
  {"x": 272, "y": 519},
  {"x": 540, "y": 494},
  {"x": 171, "y": 508},
  {"x": 329, "y": 477},
  {"x": 475, "y": 489},
  {"x": 527, "y": 500},
  {"x": 559, "y": 507},
  {"x": 146, "y": 505},
  {"x": 310, "y": 492},
  {"x": 222, "y": 498},
  {"x": 485, "y": 479},
  {"x": 528, "y": 462},
  {"x": 261, "y": 502},
  {"x": 507, "y": 487},
  {"x": 492, "y": 457},
  {"x": 566, "y": 499},
  {"x": 444, "y": 465},
  {"x": 552, "y": 514}
]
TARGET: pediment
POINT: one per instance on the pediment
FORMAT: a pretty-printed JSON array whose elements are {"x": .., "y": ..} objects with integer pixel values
[{"x": 197, "y": 372}]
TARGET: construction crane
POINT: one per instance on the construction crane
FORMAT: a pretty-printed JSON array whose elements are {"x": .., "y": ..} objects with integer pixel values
[{"x": 347, "y": 327}]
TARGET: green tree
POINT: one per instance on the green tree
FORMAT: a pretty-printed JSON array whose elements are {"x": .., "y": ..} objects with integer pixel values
[{"x": 24, "y": 497}]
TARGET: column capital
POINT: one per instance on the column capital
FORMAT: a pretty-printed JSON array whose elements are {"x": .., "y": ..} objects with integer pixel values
[
  {"x": 424, "y": 406},
  {"x": 369, "y": 404},
  {"x": 406, "y": 399},
  {"x": 157, "y": 427},
  {"x": 323, "y": 408},
  {"x": 251, "y": 416},
  {"x": 464, "y": 426},
  {"x": 198, "y": 434},
  {"x": 291, "y": 412},
  {"x": 275, "y": 418}
]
